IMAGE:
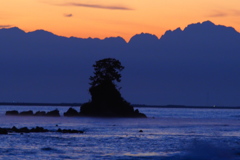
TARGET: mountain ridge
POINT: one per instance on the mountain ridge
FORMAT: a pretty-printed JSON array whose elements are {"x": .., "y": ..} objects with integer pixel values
[
  {"x": 198, "y": 65},
  {"x": 189, "y": 28}
]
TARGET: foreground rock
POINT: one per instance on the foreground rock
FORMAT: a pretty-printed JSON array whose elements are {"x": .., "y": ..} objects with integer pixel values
[
  {"x": 54, "y": 113},
  {"x": 40, "y": 113},
  {"x": 3, "y": 131},
  {"x": 26, "y": 113},
  {"x": 69, "y": 131},
  {"x": 12, "y": 113},
  {"x": 106, "y": 98},
  {"x": 35, "y": 130},
  {"x": 107, "y": 102},
  {"x": 71, "y": 113}
]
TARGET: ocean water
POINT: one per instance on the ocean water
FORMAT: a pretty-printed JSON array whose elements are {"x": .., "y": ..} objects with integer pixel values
[{"x": 168, "y": 134}]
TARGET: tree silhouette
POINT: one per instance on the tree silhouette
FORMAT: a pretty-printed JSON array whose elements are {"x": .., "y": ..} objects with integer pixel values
[
  {"x": 106, "y": 71},
  {"x": 106, "y": 98}
]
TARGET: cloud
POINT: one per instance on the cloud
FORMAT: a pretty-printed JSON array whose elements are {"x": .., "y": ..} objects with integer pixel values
[
  {"x": 218, "y": 14},
  {"x": 225, "y": 13},
  {"x": 236, "y": 12},
  {"x": 5, "y": 26},
  {"x": 99, "y": 6},
  {"x": 68, "y": 15}
]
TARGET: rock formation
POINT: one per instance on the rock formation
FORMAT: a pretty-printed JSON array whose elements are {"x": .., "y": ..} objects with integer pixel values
[
  {"x": 71, "y": 113},
  {"x": 106, "y": 98}
]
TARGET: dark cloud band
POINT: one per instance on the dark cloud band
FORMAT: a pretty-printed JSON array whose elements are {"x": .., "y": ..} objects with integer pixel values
[
  {"x": 112, "y": 7},
  {"x": 225, "y": 13},
  {"x": 219, "y": 14},
  {"x": 68, "y": 15},
  {"x": 5, "y": 26}
]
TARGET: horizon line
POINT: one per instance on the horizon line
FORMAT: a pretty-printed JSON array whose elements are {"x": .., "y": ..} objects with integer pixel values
[
  {"x": 64, "y": 104},
  {"x": 126, "y": 40}
]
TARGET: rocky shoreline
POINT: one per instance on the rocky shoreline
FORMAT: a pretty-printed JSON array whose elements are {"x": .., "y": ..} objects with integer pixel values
[
  {"x": 36, "y": 130},
  {"x": 71, "y": 112},
  {"x": 54, "y": 113}
]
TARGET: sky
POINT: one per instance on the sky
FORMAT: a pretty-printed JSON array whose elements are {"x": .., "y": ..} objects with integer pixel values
[{"x": 108, "y": 18}]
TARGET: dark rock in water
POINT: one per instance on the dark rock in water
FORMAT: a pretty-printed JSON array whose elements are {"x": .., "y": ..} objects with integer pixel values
[
  {"x": 14, "y": 129},
  {"x": 69, "y": 131},
  {"x": 47, "y": 149},
  {"x": 71, "y": 113},
  {"x": 38, "y": 129},
  {"x": 26, "y": 130},
  {"x": 140, "y": 130},
  {"x": 108, "y": 102},
  {"x": 3, "y": 131},
  {"x": 40, "y": 113},
  {"x": 138, "y": 114},
  {"x": 35, "y": 130},
  {"x": 54, "y": 113},
  {"x": 26, "y": 113},
  {"x": 106, "y": 98},
  {"x": 23, "y": 130},
  {"x": 12, "y": 113}
]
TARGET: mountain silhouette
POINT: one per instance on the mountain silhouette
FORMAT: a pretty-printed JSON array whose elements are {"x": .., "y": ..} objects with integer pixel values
[
  {"x": 197, "y": 65},
  {"x": 143, "y": 39}
]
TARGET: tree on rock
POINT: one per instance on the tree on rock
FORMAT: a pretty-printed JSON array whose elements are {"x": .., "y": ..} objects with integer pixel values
[
  {"x": 106, "y": 98},
  {"x": 106, "y": 70}
]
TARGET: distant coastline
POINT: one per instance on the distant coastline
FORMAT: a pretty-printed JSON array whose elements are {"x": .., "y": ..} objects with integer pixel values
[
  {"x": 183, "y": 106},
  {"x": 39, "y": 104},
  {"x": 135, "y": 105}
]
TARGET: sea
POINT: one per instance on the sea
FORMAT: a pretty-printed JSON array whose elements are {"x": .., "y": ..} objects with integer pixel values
[{"x": 167, "y": 134}]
